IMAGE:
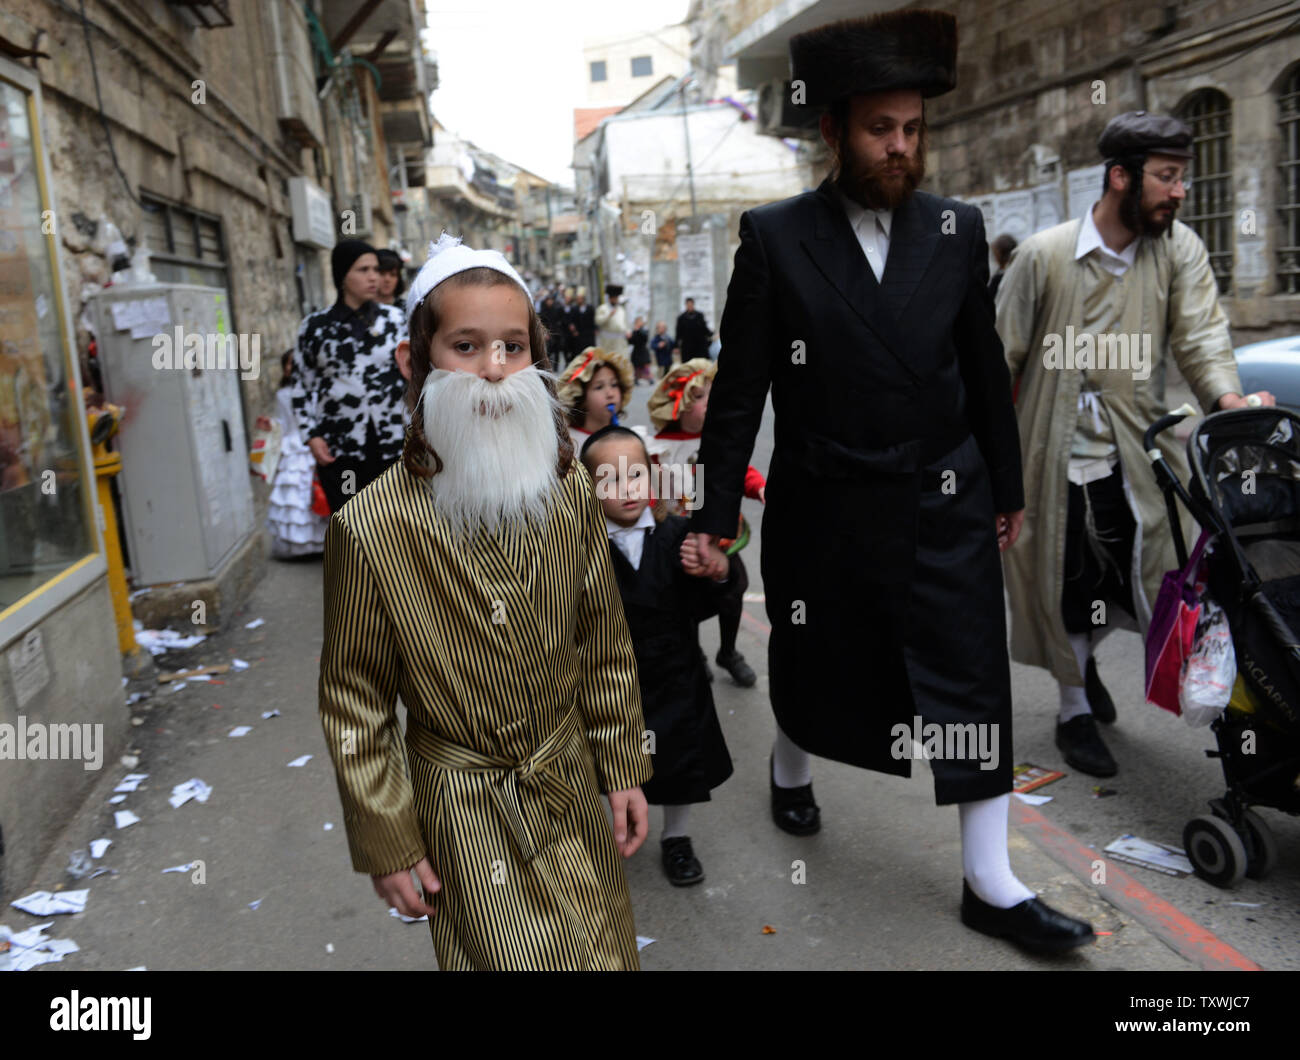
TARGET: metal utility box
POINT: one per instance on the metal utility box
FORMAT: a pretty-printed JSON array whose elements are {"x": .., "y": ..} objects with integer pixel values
[{"x": 166, "y": 354}]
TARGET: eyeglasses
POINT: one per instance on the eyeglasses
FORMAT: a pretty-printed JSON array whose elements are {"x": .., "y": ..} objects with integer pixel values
[{"x": 1169, "y": 181}]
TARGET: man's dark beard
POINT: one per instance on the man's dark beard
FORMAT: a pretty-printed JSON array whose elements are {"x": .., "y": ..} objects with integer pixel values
[
  {"x": 1144, "y": 222},
  {"x": 869, "y": 186}
]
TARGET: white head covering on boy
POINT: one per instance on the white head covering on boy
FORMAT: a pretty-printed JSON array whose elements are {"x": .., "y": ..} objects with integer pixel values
[{"x": 449, "y": 256}]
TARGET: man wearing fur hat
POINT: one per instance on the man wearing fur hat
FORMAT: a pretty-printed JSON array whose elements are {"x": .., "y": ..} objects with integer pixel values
[
  {"x": 895, "y": 478},
  {"x": 1097, "y": 530},
  {"x": 611, "y": 322}
]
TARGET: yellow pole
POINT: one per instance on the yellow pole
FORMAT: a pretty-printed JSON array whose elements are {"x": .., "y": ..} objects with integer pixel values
[{"x": 106, "y": 466}]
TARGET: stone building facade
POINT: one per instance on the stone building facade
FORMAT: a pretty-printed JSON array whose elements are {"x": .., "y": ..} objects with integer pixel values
[{"x": 1037, "y": 81}]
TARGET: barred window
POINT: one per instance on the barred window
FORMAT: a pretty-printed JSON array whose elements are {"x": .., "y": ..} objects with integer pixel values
[
  {"x": 1209, "y": 207},
  {"x": 185, "y": 245},
  {"x": 1288, "y": 251}
]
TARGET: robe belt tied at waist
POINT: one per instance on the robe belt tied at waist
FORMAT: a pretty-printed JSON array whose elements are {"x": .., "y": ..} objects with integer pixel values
[{"x": 504, "y": 775}]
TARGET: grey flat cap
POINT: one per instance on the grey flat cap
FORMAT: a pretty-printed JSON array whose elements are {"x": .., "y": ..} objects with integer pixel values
[{"x": 1140, "y": 133}]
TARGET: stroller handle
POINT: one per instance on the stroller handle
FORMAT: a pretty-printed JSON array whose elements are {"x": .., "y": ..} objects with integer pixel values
[{"x": 1160, "y": 426}]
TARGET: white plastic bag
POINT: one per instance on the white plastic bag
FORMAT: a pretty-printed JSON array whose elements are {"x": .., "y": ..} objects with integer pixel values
[{"x": 1211, "y": 670}]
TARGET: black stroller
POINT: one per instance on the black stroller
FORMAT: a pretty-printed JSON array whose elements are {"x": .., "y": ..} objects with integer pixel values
[{"x": 1245, "y": 491}]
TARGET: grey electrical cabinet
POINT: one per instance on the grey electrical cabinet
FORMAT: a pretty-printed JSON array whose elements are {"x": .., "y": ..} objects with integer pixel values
[{"x": 167, "y": 356}]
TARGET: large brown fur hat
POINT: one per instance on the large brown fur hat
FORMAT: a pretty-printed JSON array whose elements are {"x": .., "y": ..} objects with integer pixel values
[{"x": 882, "y": 53}]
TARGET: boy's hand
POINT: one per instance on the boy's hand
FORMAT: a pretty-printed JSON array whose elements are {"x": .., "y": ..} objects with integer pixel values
[
  {"x": 631, "y": 820},
  {"x": 397, "y": 890}
]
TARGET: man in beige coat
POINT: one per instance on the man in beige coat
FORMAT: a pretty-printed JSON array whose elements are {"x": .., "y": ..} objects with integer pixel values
[{"x": 1088, "y": 312}]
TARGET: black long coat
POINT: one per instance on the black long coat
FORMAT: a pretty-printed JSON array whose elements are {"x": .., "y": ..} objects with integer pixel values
[
  {"x": 663, "y": 605},
  {"x": 877, "y": 388}
]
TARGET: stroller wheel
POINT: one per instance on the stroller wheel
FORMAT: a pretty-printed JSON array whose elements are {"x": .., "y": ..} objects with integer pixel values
[
  {"x": 1261, "y": 847},
  {"x": 1215, "y": 851}
]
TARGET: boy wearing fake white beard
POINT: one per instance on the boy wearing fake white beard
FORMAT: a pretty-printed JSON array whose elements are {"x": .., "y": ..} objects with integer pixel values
[{"x": 473, "y": 578}]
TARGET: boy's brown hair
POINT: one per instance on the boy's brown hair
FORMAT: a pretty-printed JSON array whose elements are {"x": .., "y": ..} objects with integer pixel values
[{"x": 417, "y": 454}]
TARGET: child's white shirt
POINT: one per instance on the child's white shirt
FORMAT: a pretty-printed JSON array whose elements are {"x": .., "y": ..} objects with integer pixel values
[{"x": 631, "y": 539}]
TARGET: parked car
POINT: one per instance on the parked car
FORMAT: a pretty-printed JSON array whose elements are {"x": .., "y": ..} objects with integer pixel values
[{"x": 1272, "y": 365}]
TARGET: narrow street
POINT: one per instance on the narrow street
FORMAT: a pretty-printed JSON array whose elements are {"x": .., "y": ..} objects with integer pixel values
[{"x": 882, "y": 879}]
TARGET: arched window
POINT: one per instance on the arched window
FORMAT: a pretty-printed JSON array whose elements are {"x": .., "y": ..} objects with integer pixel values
[
  {"x": 1209, "y": 207},
  {"x": 1288, "y": 199}
]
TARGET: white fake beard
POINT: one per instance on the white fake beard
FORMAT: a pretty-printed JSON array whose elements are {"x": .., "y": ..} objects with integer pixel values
[{"x": 498, "y": 445}]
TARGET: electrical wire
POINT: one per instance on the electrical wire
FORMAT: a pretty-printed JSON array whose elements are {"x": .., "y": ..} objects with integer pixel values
[{"x": 103, "y": 118}]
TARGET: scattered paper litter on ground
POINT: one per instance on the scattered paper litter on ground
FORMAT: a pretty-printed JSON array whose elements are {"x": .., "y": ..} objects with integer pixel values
[
  {"x": 301, "y": 760},
  {"x": 176, "y": 686},
  {"x": 138, "y": 968},
  {"x": 642, "y": 942},
  {"x": 255, "y": 623},
  {"x": 240, "y": 730},
  {"x": 117, "y": 799},
  {"x": 270, "y": 714},
  {"x": 157, "y": 641},
  {"x": 1248, "y": 905},
  {"x": 131, "y": 781},
  {"x": 392, "y": 911},
  {"x": 49, "y": 903},
  {"x": 1033, "y": 800},
  {"x": 329, "y": 826},
  {"x": 98, "y": 846},
  {"x": 27, "y": 949},
  {"x": 329, "y": 947},
  {"x": 255, "y": 904},
  {"x": 1150, "y": 855},
  {"x": 79, "y": 866},
  {"x": 123, "y": 818},
  {"x": 239, "y": 664},
  {"x": 191, "y": 789},
  {"x": 180, "y": 868},
  {"x": 135, "y": 697}
]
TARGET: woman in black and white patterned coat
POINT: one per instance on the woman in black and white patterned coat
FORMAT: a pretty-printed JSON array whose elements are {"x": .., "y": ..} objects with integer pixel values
[{"x": 348, "y": 392}]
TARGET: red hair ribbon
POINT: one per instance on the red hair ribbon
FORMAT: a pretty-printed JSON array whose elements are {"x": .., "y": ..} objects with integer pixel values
[{"x": 682, "y": 391}]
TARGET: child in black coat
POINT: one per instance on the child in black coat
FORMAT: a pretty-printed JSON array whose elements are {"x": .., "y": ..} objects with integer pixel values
[{"x": 665, "y": 596}]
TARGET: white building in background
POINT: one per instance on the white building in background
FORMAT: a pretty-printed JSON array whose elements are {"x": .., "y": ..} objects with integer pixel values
[{"x": 621, "y": 66}]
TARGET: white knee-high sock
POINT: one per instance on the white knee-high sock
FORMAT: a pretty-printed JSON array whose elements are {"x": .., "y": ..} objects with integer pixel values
[
  {"x": 1074, "y": 699},
  {"x": 676, "y": 819},
  {"x": 984, "y": 852},
  {"x": 790, "y": 765}
]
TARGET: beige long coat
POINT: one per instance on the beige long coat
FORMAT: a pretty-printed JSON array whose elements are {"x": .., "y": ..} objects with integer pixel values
[{"x": 1169, "y": 295}]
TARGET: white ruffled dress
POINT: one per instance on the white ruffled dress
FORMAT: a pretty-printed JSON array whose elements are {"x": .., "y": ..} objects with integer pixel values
[{"x": 295, "y": 529}]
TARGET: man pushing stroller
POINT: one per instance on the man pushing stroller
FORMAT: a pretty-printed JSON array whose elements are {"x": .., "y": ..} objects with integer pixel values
[{"x": 1127, "y": 270}]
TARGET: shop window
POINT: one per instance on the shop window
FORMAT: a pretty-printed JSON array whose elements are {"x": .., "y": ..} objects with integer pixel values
[
  {"x": 1288, "y": 251},
  {"x": 1209, "y": 208},
  {"x": 44, "y": 492}
]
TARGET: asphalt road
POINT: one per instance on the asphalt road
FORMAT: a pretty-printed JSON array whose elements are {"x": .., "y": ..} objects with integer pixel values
[{"x": 878, "y": 888}]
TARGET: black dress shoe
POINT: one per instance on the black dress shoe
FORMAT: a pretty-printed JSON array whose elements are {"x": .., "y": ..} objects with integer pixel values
[
  {"x": 1033, "y": 923},
  {"x": 793, "y": 809},
  {"x": 1079, "y": 739},
  {"x": 681, "y": 866},
  {"x": 1103, "y": 707},
  {"x": 741, "y": 672}
]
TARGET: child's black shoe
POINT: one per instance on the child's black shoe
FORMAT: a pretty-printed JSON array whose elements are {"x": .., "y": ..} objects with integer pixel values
[
  {"x": 681, "y": 866},
  {"x": 741, "y": 672}
]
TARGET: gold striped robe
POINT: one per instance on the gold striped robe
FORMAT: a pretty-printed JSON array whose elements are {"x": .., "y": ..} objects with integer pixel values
[{"x": 492, "y": 647}]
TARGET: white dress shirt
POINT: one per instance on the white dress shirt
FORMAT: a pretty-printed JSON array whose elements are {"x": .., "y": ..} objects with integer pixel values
[
  {"x": 631, "y": 539},
  {"x": 1115, "y": 262},
  {"x": 872, "y": 229}
]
